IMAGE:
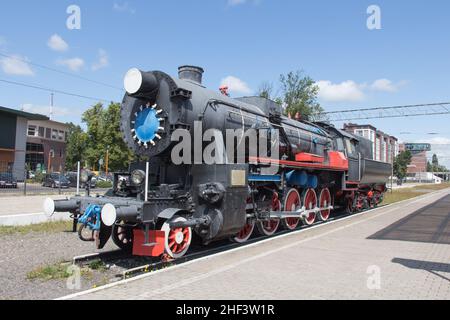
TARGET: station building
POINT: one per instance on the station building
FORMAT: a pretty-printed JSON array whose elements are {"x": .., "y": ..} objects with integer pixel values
[
  {"x": 418, "y": 161},
  {"x": 46, "y": 145},
  {"x": 13, "y": 140},
  {"x": 385, "y": 147}
]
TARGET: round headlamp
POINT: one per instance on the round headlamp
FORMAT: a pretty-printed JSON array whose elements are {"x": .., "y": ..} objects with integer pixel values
[{"x": 137, "y": 177}]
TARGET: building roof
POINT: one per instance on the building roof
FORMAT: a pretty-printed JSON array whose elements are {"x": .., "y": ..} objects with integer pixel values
[
  {"x": 23, "y": 114},
  {"x": 359, "y": 126},
  {"x": 354, "y": 126},
  {"x": 47, "y": 121}
]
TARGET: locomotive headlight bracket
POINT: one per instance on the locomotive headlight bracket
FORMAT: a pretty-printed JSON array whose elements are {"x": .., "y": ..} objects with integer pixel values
[{"x": 138, "y": 177}]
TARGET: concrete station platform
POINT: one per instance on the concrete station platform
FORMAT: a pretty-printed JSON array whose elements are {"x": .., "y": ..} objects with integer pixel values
[
  {"x": 20, "y": 210},
  {"x": 400, "y": 251}
]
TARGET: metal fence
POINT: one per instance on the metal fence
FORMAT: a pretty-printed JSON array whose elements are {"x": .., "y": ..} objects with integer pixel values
[{"x": 24, "y": 182}]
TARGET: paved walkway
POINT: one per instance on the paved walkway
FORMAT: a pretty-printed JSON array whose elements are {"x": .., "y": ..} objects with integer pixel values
[
  {"x": 24, "y": 210},
  {"x": 361, "y": 257},
  {"x": 20, "y": 210}
]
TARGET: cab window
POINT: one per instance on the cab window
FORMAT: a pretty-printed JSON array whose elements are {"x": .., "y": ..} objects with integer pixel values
[
  {"x": 350, "y": 147},
  {"x": 340, "y": 145}
]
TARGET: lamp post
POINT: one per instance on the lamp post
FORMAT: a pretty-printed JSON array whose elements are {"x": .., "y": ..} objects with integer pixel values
[
  {"x": 51, "y": 154},
  {"x": 392, "y": 169},
  {"x": 107, "y": 161}
]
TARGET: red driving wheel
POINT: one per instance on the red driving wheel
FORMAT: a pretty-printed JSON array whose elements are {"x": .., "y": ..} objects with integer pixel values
[
  {"x": 269, "y": 227},
  {"x": 310, "y": 203},
  {"x": 324, "y": 203},
  {"x": 292, "y": 202}
]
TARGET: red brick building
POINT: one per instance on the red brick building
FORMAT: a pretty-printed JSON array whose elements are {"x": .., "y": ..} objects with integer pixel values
[{"x": 418, "y": 161}]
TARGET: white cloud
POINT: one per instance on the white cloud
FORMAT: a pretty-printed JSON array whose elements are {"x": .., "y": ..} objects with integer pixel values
[
  {"x": 57, "y": 43},
  {"x": 74, "y": 64},
  {"x": 386, "y": 85},
  {"x": 350, "y": 91},
  {"x": 236, "y": 85},
  {"x": 123, "y": 7},
  {"x": 16, "y": 65},
  {"x": 341, "y": 92},
  {"x": 45, "y": 110},
  {"x": 103, "y": 60}
]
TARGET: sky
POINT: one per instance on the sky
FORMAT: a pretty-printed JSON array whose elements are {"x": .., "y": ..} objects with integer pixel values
[{"x": 241, "y": 43}]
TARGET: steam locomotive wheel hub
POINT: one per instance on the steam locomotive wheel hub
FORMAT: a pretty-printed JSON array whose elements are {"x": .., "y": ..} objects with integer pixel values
[
  {"x": 179, "y": 237},
  {"x": 324, "y": 202},
  {"x": 292, "y": 203},
  {"x": 178, "y": 240},
  {"x": 122, "y": 236},
  {"x": 310, "y": 202},
  {"x": 269, "y": 227}
]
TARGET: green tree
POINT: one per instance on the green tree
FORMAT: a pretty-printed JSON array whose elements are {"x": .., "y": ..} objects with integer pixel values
[
  {"x": 76, "y": 144},
  {"x": 434, "y": 166},
  {"x": 94, "y": 120},
  {"x": 299, "y": 95},
  {"x": 266, "y": 90},
  {"x": 401, "y": 163},
  {"x": 435, "y": 161},
  {"x": 429, "y": 166},
  {"x": 119, "y": 154},
  {"x": 103, "y": 134}
]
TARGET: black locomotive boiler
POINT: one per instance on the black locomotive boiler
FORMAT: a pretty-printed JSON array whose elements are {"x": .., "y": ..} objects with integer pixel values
[{"x": 160, "y": 208}]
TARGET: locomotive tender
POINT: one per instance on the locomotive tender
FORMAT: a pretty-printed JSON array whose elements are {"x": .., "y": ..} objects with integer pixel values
[{"x": 160, "y": 208}]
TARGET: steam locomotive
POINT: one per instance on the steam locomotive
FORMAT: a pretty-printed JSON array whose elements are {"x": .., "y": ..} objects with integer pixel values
[{"x": 161, "y": 205}]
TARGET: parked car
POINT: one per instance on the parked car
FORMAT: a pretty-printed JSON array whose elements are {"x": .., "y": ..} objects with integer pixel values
[
  {"x": 105, "y": 177},
  {"x": 56, "y": 180},
  {"x": 7, "y": 180},
  {"x": 72, "y": 177}
]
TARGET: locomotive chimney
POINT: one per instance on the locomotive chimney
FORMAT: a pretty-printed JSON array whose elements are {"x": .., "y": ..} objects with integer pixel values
[{"x": 191, "y": 73}]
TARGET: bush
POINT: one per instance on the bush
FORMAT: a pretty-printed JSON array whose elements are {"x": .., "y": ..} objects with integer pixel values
[
  {"x": 104, "y": 184},
  {"x": 39, "y": 177}
]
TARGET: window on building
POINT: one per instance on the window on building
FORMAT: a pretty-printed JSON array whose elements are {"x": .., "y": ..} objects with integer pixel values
[
  {"x": 41, "y": 132},
  {"x": 61, "y": 135},
  {"x": 48, "y": 133},
  {"x": 35, "y": 148},
  {"x": 31, "y": 131},
  {"x": 377, "y": 149},
  {"x": 366, "y": 134},
  {"x": 34, "y": 156},
  {"x": 54, "y": 134}
]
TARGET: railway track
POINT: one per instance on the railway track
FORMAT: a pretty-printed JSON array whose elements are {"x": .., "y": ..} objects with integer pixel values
[{"x": 141, "y": 265}]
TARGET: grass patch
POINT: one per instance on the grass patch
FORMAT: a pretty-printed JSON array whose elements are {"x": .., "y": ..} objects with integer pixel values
[
  {"x": 50, "y": 272},
  {"x": 57, "y": 271},
  {"x": 104, "y": 184},
  {"x": 409, "y": 193},
  {"x": 97, "y": 265},
  {"x": 47, "y": 227}
]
